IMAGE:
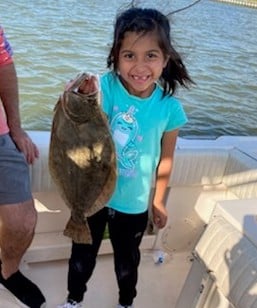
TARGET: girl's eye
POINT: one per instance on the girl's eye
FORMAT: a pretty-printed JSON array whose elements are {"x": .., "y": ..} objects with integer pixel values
[
  {"x": 152, "y": 55},
  {"x": 128, "y": 56}
]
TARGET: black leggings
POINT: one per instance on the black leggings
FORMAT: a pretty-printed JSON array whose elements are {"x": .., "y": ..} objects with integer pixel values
[{"x": 126, "y": 232}]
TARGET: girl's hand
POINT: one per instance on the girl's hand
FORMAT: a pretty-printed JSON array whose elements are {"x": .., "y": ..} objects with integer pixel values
[
  {"x": 160, "y": 215},
  {"x": 89, "y": 86}
]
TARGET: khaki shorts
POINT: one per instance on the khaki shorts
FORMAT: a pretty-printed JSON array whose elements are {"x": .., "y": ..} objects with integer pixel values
[{"x": 14, "y": 173}]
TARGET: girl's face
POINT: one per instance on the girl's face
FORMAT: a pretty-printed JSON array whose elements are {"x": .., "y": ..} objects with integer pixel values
[{"x": 141, "y": 62}]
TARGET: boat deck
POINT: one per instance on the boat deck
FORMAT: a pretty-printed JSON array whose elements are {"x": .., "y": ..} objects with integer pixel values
[
  {"x": 158, "y": 285},
  {"x": 212, "y": 193}
]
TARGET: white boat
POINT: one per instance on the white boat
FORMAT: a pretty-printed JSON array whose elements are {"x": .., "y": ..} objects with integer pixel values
[{"x": 209, "y": 245}]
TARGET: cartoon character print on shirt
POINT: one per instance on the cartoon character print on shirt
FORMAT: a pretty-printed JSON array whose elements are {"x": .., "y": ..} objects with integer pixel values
[{"x": 125, "y": 128}]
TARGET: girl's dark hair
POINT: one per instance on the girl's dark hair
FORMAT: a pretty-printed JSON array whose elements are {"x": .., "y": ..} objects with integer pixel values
[{"x": 142, "y": 21}]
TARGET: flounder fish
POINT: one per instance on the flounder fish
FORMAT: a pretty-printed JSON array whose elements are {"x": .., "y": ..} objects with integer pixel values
[{"x": 82, "y": 160}]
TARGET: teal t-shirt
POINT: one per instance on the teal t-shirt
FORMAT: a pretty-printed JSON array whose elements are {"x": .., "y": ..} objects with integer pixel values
[{"x": 137, "y": 125}]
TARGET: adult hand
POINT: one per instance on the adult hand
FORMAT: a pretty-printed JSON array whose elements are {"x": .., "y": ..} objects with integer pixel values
[{"x": 25, "y": 145}]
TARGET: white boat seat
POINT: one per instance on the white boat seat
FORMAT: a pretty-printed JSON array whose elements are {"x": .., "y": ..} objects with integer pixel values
[{"x": 225, "y": 265}]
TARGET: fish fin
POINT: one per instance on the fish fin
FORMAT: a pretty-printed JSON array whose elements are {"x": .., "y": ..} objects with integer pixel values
[
  {"x": 107, "y": 191},
  {"x": 78, "y": 232}
]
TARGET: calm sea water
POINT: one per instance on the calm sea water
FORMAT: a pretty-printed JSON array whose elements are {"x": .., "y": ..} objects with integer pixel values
[{"x": 54, "y": 40}]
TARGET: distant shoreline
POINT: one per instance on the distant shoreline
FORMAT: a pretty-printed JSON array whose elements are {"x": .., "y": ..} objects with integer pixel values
[{"x": 250, "y": 3}]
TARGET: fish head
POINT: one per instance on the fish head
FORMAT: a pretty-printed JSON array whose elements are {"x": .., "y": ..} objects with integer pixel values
[{"x": 80, "y": 106}]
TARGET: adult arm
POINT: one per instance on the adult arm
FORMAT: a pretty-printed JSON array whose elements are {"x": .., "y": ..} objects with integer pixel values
[{"x": 10, "y": 99}]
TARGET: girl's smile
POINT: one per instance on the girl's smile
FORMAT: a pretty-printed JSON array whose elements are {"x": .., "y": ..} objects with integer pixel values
[{"x": 141, "y": 62}]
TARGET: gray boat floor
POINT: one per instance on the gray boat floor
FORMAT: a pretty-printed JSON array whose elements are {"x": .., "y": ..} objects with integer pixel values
[{"x": 158, "y": 287}]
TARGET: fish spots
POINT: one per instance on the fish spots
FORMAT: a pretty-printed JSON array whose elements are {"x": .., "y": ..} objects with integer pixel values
[{"x": 82, "y": 156}]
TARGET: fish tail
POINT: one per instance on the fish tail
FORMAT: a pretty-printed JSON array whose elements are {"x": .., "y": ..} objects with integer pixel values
[{"x": 78, "y": 232}]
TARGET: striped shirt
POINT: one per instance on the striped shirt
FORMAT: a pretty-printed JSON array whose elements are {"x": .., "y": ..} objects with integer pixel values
[
  {"x": 5, "y": 49},
  {"x": 5, "y": 58}
]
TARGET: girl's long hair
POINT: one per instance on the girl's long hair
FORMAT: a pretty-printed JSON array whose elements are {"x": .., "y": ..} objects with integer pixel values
[{"x": 142, "y": 21}]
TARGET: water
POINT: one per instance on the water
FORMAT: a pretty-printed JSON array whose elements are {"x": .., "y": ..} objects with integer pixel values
[{"x": 54, "y": 40}]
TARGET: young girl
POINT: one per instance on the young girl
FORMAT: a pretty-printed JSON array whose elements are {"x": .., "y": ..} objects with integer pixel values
[{"x": 144, "y": 119}]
